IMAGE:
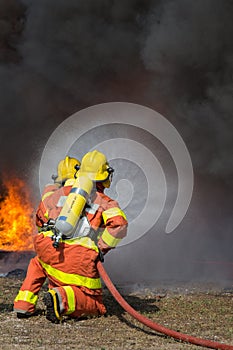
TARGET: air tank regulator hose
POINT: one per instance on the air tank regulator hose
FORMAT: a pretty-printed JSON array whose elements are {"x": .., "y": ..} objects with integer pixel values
[{"x": 155, "y": 326}]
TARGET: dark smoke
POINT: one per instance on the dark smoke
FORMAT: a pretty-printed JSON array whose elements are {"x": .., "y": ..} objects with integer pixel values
[
  {"x": 189, "y": 52},
  {"x": 57, "y": 57}
]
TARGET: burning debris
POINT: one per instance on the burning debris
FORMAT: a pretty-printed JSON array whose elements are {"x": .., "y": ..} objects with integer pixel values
[{"x": 16, "y": 216}]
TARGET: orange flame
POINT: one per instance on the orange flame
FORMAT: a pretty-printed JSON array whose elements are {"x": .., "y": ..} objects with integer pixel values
[{"x": 16, "y": 217}]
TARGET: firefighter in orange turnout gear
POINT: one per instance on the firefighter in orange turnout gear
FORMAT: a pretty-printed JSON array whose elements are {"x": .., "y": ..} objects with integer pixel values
[{"x": 74, "y": 282}]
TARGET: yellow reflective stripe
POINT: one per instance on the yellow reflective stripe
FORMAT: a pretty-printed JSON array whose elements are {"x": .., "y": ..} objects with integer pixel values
[
  {"x": 70, "y": 299},
  {"x": 26, "y": 295},
  {"x": 86, "y": 242},
  {"x": 47, "y": 194},
  {"x": 47, "y": 233},
  {"x": 109, "y": 239},
  {"x": 46, "y": 215},
  {"x": 71, "y": 278},
  {"x": 111, "y": 212}
]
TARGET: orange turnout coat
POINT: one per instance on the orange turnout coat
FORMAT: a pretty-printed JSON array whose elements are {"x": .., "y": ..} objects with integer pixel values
[{"x": 71, "y": 268}]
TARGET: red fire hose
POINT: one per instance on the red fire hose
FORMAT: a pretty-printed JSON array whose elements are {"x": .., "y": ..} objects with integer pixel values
[{"x": 155, "y": 326}]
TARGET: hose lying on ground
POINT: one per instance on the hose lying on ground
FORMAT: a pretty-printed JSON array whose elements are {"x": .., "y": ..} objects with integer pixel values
[{"x": 155, "y": 326}]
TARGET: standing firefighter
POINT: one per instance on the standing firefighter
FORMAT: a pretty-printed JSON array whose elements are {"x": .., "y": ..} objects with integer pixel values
[{"x": 68, "y": 248}]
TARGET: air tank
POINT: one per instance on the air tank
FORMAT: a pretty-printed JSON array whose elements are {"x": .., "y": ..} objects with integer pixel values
[{"x": 74, "y": 205}]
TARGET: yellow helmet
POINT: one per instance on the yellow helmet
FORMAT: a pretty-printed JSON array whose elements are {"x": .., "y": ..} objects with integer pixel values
[
  {"x": 67, "y": 169},
  {"x": 94, "y": 164}
]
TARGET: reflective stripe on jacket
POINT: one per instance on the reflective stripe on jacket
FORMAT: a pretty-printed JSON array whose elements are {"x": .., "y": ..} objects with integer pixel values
[
  {"x": 72, "y": 263},
  {"x": 52, "y": 201},
  {"x": 103, "y": 214},
  {"x": 109, "y": 220}
]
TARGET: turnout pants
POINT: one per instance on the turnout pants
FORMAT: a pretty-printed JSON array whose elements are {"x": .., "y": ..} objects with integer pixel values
[{"x": 73, "y": 300}]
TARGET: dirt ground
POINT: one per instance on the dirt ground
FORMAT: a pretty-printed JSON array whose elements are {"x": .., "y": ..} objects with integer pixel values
[{"x": 205, "y": 313}]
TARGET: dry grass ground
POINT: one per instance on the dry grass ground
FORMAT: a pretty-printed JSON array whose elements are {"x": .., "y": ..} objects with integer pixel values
[{"x": 207, "y": 314}]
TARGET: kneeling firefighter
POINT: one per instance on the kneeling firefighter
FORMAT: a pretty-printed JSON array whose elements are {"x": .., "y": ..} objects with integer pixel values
[{"x": 70, "y": 264}]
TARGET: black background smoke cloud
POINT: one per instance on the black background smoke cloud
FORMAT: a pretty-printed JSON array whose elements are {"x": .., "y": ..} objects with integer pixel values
[{"x": 57, "y": 57}]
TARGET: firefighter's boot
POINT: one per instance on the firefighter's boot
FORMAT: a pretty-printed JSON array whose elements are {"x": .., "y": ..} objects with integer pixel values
[{"x": 52, "y": 306}]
